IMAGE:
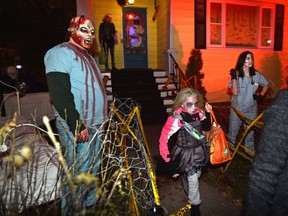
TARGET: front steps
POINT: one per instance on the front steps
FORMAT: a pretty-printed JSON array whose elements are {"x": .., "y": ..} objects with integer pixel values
[
  {"x": 145, "y": 87},
  {"x": 166, "y": 93}
]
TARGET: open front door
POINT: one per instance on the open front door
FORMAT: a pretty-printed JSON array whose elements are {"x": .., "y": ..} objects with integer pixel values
[{"x": 135, "y": 37}]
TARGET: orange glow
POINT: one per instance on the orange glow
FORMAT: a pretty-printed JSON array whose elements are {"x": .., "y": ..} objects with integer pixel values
[{"x": 130, "y": 16}]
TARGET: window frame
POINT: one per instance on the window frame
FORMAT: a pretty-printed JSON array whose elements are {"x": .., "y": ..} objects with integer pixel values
[{"x": 259, "y": 6}]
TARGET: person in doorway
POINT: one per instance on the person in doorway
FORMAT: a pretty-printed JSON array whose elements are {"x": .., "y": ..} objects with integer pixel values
[
  {"x": 191, "y": 151},
  {"x": 107, "y": 33},
  {"x": 80, "y": 106},
  {"x": 244, "y": 83},
  {"x": 136, "y": 33},
  {"x": 266, "y": 192}
]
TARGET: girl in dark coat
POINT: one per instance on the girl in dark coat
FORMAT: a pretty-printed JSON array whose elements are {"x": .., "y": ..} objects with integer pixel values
[{"x": 191, "y": 151}]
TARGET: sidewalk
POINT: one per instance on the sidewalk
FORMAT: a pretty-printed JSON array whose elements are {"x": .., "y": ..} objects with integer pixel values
[{"x": 172, "y": 196}]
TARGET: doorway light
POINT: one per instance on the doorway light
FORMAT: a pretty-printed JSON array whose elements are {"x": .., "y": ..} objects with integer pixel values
[{"x": 131, "y": 2}]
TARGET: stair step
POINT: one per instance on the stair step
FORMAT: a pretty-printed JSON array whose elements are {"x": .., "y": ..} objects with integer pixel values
[
  {"x": 109, "y": 83},
  {"x": 141, "y": 86},
  {"x": 168, "y": 101},
  {"x": 169, "y": 86},
  {"x": 169, "y": 109},
  {"x": 106, "y": 73},
  {"x": 161, "y": 80},
  {"x": 109, "y": 97},
  {"x": 160, "y": 74},
  {"x": 126, "y": 82},
  {"x": 133, "y": 84}
]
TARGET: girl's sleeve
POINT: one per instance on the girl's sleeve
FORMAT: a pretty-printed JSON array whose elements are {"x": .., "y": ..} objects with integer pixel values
[
  {"x": 171, "y": 126},
  {"x": 263, "y": 81}
]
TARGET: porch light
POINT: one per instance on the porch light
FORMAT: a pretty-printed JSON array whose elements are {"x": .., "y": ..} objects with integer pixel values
[{"x": 131, "y": 2}]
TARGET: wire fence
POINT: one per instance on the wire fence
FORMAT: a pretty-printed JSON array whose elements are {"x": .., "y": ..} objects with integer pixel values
[
  {"x": 236, "y": 171},
  {"x": 126, "y": 182}
]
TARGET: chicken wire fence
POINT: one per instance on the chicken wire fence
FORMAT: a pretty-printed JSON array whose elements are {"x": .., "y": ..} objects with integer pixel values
[
  {"x": 126, "y": 183},
  {"x": 126, "y": 160}
]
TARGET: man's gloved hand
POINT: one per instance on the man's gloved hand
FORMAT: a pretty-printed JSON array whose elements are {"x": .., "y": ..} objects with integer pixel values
[
  {"x": 83, "y": 136},
  {"x": 257, "y": 97},
  {"x": 233, "y": 74}
]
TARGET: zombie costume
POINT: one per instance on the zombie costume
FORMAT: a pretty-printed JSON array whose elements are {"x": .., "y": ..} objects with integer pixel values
[
  {"x": 79, "y": 102},
  {"x": 245, "y": 103},
  {"x": 190, "y": 153},
  {"x": 106, "y": 38}
]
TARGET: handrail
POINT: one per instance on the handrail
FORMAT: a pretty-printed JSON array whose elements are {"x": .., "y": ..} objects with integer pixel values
[{"x": 184, "y": 82}]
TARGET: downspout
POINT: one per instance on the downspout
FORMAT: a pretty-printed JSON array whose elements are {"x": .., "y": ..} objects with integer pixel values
[{"x": 84, "y": 7}]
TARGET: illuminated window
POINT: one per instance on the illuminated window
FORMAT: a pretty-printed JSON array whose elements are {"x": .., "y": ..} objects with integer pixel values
[{"x": 232, "y": 24}]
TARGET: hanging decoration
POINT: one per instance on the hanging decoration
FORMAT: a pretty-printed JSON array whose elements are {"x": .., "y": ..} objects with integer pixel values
[
  {"x": 122, "y": 2},
  {"x": 156, "y": 7}
]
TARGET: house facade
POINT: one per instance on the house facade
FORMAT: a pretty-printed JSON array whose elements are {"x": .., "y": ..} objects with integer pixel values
[{"x": 221, "y": 29}]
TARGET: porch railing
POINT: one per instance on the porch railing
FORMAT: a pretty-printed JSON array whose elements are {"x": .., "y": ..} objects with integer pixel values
[{"x": 179, "y": 76}]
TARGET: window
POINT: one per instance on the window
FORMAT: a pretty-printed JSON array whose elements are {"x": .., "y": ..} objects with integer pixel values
[{"x": 231, "y": 24}]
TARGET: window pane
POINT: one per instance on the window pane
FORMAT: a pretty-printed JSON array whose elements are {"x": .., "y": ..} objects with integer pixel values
[
  {"x": 265, "y": 37},
  {"x": 216, "y": 12},
  {"x": 215, "y": 34},
  {"x": 266, "y": 17},
  {"x": 241, "y": 25}
]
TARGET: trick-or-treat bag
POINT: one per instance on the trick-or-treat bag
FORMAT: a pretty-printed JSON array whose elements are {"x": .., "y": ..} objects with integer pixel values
[{"x": 219, "y": 147}]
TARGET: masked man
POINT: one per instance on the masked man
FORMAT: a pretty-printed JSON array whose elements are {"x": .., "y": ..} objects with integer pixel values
[
  {"x": 80, "y": 106},
  {"x": 106, "y": 38}
]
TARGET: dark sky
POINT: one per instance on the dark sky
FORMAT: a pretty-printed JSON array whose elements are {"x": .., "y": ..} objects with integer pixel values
[{"x": 31, "y": 27}]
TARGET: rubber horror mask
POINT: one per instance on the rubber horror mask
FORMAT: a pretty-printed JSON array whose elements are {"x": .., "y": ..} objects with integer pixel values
[{"x": 82, "y": 31}]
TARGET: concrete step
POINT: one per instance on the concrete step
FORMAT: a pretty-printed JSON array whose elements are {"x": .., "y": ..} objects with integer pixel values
[
  {"x": 109, "y": 88},
  {"x": 160, "y": 78},
  {"x": 109, "y": 97},
  {"x": 109, "y": 83},
  {"x": 169, "y": 87},
  {"x": 169, "y": 109},
  {"x": 106, "y": 73},
  {"x": 168, "y": 101},
  {"x": 160, "y": 73}
]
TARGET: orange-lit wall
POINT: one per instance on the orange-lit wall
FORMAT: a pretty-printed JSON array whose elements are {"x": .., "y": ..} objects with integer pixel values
[
  {"x": 178, "y": 15},
  {"x": 217, "y": 62}
]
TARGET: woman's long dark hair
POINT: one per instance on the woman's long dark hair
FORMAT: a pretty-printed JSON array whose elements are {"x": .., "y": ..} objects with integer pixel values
[{"x": 240, "y": 63}]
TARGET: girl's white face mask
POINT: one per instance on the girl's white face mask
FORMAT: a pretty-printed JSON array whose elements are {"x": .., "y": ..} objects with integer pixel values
[{"x": 190, "y": 104}]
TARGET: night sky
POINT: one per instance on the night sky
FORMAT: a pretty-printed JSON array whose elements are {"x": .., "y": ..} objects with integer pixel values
[{"x": 30, "y": 28}]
